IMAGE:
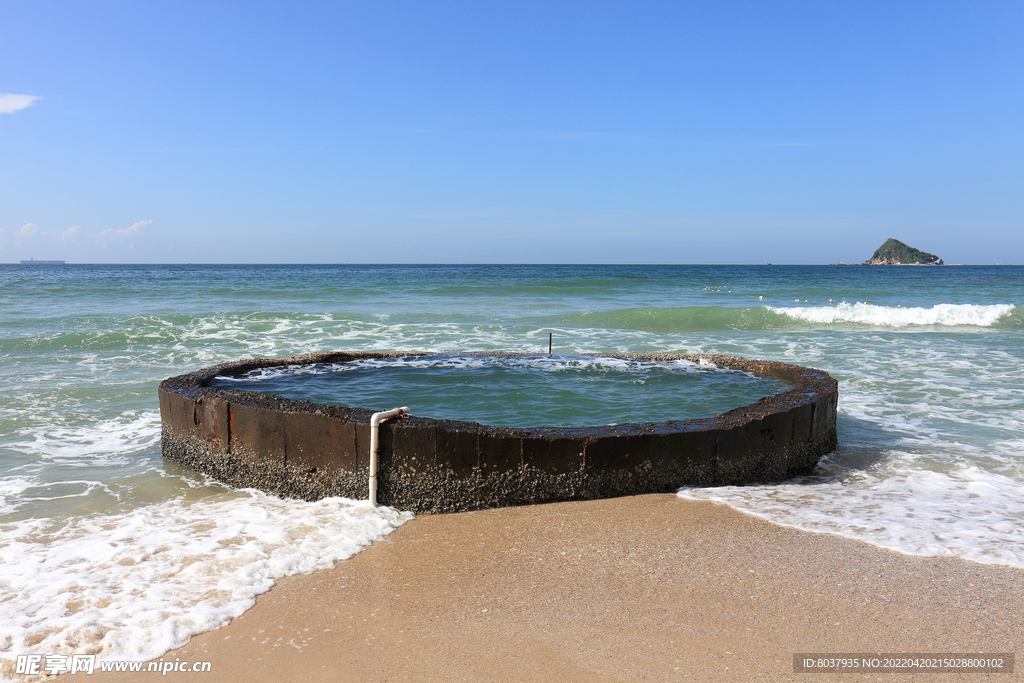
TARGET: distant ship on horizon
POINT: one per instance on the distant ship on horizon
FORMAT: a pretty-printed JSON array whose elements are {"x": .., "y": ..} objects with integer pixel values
[{"x": 33, "y": 262}]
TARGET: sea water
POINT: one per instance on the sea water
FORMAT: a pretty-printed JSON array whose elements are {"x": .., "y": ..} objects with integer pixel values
[
  {"x": 567, "y": 390},
  {"x": 106, "y": 548}
]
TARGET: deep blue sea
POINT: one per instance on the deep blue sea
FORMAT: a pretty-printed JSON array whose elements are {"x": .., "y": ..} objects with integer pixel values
[{"x": 106, "y": 548}]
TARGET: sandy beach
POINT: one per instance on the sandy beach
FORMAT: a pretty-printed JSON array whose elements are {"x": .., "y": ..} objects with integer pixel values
[{"x": 648, "y": 588}]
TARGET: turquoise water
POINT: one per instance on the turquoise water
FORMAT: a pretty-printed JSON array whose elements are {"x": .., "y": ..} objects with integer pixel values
[
  {"x": 930, "y": 363},
  {"x": 523, "y": 391}
]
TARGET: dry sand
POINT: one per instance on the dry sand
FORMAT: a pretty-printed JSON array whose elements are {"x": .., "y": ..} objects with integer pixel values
[{"x": 648, "y": 588}]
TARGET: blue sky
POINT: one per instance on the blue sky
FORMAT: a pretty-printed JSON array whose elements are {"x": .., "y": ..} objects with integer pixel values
[{"x": 589, "y": 132}]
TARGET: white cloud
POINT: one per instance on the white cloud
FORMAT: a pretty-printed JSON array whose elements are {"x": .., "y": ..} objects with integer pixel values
[
  {"x": 130, "y": 230},
  {"x": 28, "y": 229},
  {"x": 134, "y": 228},
  {"x": 69, "y": 232},
  {"x": 10, "y": 103}
]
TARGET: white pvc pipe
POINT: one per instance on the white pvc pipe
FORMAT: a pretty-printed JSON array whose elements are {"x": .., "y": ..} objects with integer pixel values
[{"x": 375, "y": 421}]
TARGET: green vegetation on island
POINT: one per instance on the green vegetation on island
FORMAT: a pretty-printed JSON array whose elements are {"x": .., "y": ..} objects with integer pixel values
[{"x": 896, "y": 253}]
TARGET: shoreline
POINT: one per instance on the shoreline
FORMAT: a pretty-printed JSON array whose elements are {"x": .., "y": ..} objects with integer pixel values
[{"x": 652, "y": 587}]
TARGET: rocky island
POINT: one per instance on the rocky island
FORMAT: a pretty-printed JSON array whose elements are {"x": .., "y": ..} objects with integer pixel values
[{"x": 896, "y": 253}]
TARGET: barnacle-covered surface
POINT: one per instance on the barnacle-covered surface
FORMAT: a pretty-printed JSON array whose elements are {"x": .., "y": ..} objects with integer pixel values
[{"x": 307, "y": 450}]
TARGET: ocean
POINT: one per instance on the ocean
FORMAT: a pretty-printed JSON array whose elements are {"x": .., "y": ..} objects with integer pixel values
[
  {"x": 107, "y": 549},
  {"x": 536, "y": 390}
]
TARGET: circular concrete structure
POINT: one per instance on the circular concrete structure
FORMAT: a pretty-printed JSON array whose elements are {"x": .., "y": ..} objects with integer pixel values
[{"x": 310, "y": 450}]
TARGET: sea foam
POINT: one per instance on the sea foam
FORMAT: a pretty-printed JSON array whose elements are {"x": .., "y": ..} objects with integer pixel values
[
  {"x": 897, "y": 316},
  {"x": 134, "y": 585},
  {"x": 967, "y": 513}
]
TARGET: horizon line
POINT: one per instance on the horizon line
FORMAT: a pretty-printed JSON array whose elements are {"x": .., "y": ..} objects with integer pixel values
[{"x": 480, "y": 263}]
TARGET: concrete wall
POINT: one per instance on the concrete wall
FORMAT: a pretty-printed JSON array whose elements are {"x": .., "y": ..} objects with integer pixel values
[{"x": 309, "y": 450}]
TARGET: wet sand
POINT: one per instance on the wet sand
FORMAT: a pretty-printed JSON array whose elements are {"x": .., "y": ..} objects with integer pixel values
[{"x": 647, "y": 588}]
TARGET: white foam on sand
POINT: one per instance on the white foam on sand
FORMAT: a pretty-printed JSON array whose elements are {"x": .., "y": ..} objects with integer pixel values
[
  {"x": 134, "y": 585},
  {"x": 968, "y": 513}
]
